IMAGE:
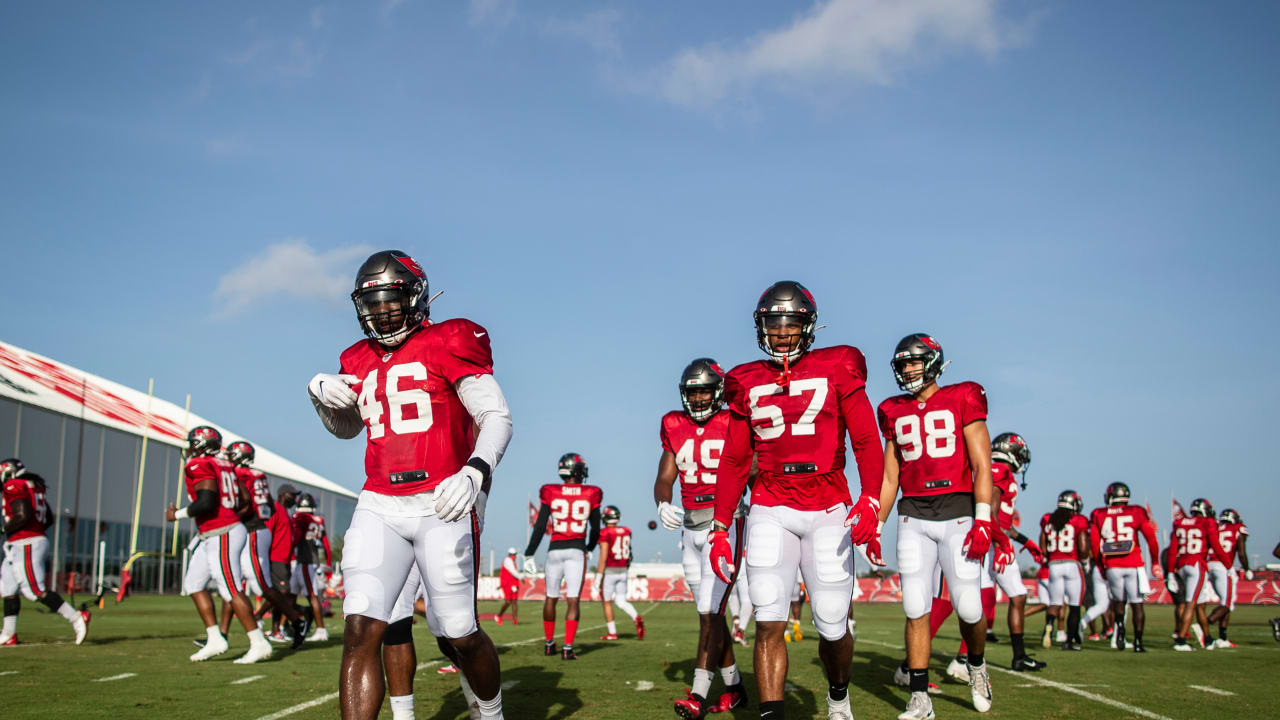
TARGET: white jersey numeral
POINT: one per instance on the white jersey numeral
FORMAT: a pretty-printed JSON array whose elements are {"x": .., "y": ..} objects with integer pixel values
[
  {"x": 689, "y": 465},
  {"x": 1190, "y": 541},
  {"x": 777, "y": 423},
  {"x": 229, "y": 495},
  {"x": 1063, "y": 540},
  {"x": 1117, "y": 529},
  {"x": 371, "y": 410},
  {"x": 620, "y": 549},
  {"x": 939, "y": 435},
  {"x": 569, "y": 515}
]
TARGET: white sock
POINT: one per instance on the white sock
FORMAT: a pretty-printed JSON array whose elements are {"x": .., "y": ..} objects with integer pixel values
[
  {"x": 402, "y": 707},
  {"x": 730, "y": 675},
  {"x": 10, "y": 625},
  {"x": 256, "y": 637},
  {"x": 613, "y": 627},
  {"x": 467, "y": 692},
  {"x": 215, "y": 635},
  {"x": 68, "y": 612},
  {"x": 491, "y": 708},
  {"x": 626, "y": 607},
  {"x": 702, "y": 682}
]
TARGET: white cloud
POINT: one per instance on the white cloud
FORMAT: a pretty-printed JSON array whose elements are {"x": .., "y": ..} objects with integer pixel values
[
  {"x": 491, "y": 12},
  {"x": 835, "y": 41},
  {"x": 289, "y": 269},
  {"x": 598, "y": 28}
]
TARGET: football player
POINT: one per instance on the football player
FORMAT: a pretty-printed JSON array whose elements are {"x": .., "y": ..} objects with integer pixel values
[
  {"x": 215, "y": 552},
  {"x": 1114, "y": 531},
  {"x": 281, "y": 525},
  {"x": 1064, "y": 535},
  {"x": 793, "y": 411},
  {"x": 27, "y": 516},
  {"x": 1194, "y": 537},
  {"x": 309, "y": 537},
  {"x": 423, "y": 390},
  {"x": 574, "y": 511},
  {"x": 509, "y": 579},
  {"x": 1232, "y": 534},
  {"x": 615, "y": 560},
  {"x": 938, "y": 451},
  {"x": 692, "y": 443}
]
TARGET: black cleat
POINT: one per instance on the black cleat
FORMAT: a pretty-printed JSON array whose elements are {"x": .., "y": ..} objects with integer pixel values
[
  {"x": 1120, "y": 643},
  {"x": 550, "y": 648},
  {"x": 568, "y": 654},
  {"x": 1137, "y": 646},
  {"x": 1025, "y": 663},
  {"x": 991, "y": 637},
  {"x": 300, "y": 629},
  {"x": 1275, "y": 628},
  {"x": 1072, "y": 645}
]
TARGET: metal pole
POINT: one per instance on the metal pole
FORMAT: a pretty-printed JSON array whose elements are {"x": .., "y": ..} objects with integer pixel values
[
  {"x": 142, "y": 468},
  {"x": 186, "y": 419},
  {"x": 75, "y": 512}
]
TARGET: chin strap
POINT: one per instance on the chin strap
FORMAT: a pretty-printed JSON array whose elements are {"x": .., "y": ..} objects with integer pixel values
[{"x": 784, "y": 379}]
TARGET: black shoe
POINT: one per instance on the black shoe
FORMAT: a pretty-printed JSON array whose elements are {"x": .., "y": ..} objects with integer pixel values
[
  {"x": 1120, "y": 636},
  {"x": 300, "y": 628},
  {"x": 1072, "y": 645},
  {"x": 568, "y": 654},
  {"x": 549, "y": 649},
  {"x": 991, "y": 637},
  {"x": 1275, "y": 628},
  {"x": 1025, "y": 663},
  {"x": 1137, "y": 646}
]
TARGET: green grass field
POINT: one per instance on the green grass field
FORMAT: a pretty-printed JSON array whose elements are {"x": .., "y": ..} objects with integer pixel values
[{"x": 150, "y": 637}]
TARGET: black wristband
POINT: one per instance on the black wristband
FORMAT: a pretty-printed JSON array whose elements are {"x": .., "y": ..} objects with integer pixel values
[{"x": 485, "y": 472}]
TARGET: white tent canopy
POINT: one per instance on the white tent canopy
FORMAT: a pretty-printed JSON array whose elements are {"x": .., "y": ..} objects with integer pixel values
[{"x": 37, "y": 380}]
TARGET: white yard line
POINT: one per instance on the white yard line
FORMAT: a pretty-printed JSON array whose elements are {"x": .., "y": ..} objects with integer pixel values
[
  {"x": 1213, "y": 690},
  {"x": 121, "y": 676},
  {"x": 1134, "y": 709},
  {"x": 245, "y": 681},
  {"x": 9, "y": 672},
  {"x": 421, "y": 666}
]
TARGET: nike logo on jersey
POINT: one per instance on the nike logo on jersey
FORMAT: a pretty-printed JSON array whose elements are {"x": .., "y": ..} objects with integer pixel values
[{"x": 478, "y": 334}]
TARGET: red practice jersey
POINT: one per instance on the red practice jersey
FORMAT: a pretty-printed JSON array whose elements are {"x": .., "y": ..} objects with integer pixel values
[
  {"x": 1061, "y": 544},
  {"x": 697, "y": 448},
  {"x": 1114, "y": 531},
  {"x": 619, "y": 541},
  {"x": 796, "y": 426},
  {"x": 255, "y": 482},
  {"x": 309, "y": 536},
  {"x": 1228, "y": 536},
  {"x": 1193, "y": 539},
  {"x": 1003, "y": 478},
  {"x": 929, "y": 439},
  {"x": 418, "y": 430},
  {"x": 19, "y": 488},
  {"x": 223, "y": 474},
  {"x": 281, "y": 526},
  {"x": 507, "y": 575},
  {"x": 571, "y": 505}
]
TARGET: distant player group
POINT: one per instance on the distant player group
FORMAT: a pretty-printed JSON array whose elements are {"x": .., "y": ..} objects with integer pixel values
[{"x": 759, "y": 452}]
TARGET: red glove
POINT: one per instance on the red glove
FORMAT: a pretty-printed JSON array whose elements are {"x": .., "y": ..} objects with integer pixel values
[
  {"x": 978, "y": 541},
  {"x": 721, "y": 552},
  {"x": 1036, "y": 553},
  {"x": 1005, "y": 553},
  {"x": 1156, "y": 571},
  {"x": 874, "y": 553},
  {"x": 862, "y": 521}
]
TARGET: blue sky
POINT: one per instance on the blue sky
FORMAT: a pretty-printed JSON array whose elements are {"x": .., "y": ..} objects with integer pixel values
[{"x": 1077, "y": 201}]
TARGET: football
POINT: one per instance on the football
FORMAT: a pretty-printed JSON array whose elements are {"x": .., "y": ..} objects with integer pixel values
[{"x": 653, "y": 524}]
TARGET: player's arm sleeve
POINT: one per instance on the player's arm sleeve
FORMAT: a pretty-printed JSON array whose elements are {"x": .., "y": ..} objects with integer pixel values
[
  {"x": 539, "y": 526},
  {"x": 20, "y": 512},
  {"x": 344, "y": 424},
  {"x": 328, "y": 553},
  {"x": 864, "y": 433},
  {"x": 1017, "y": 537},
  {"x": 483, "y": 399},
  {"x": 735, "y": 464},
  {"x": 206, "y": 502},
  {"x": 1215, "y": 541},
  {"x": 593, "y": 523}
]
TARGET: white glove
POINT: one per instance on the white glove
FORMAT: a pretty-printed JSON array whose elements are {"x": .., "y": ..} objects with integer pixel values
[
  {"x": 530, "y": 567},
  {"x": 456, "y": 494},
  {"x": 671, "y": 516},
  {"x": 1248, "y": 574},
  {"x": 334, "y": 391}
]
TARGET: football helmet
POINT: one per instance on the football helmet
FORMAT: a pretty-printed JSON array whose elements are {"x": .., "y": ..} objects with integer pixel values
[
  {"x": 306, "y": 503},
  {"x": 785, "y": 300},
  {"x": 611, "y": 515},
  {"x": 1117, "y": 494},
  {"x": 1230, "y": 516},
  {"x": 1011, "y": 449},
  {"x": 11, "y": 468},
  {"x": 1070, "y": 500},
  {"x": 702, "y": 374},
  {"x": 917, "y": 346},
  {"x": 1201, "y": 508},
  {"x": 203, "y": 440},
  {"x": 572, "y": 468},
  {"x": 240, "y": 452},
  {"x": 390, "y": 297}
]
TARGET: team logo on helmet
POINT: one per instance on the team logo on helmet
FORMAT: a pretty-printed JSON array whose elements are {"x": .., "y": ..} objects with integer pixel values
[
  {"x": 412, "y": 265},
  {"x": 1013, "y": 451},
  {"x": 240, "y": 452},
  {"x": 203, "y": 440},
  {"x": 917, "y": 348}
]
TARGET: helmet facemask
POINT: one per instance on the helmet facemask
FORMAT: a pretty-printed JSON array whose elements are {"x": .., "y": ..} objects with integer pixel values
[
  {"x": 793, "y": 330},
  {"x": 914, "y": 379},
  {"x": 389, "y": 313}
]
